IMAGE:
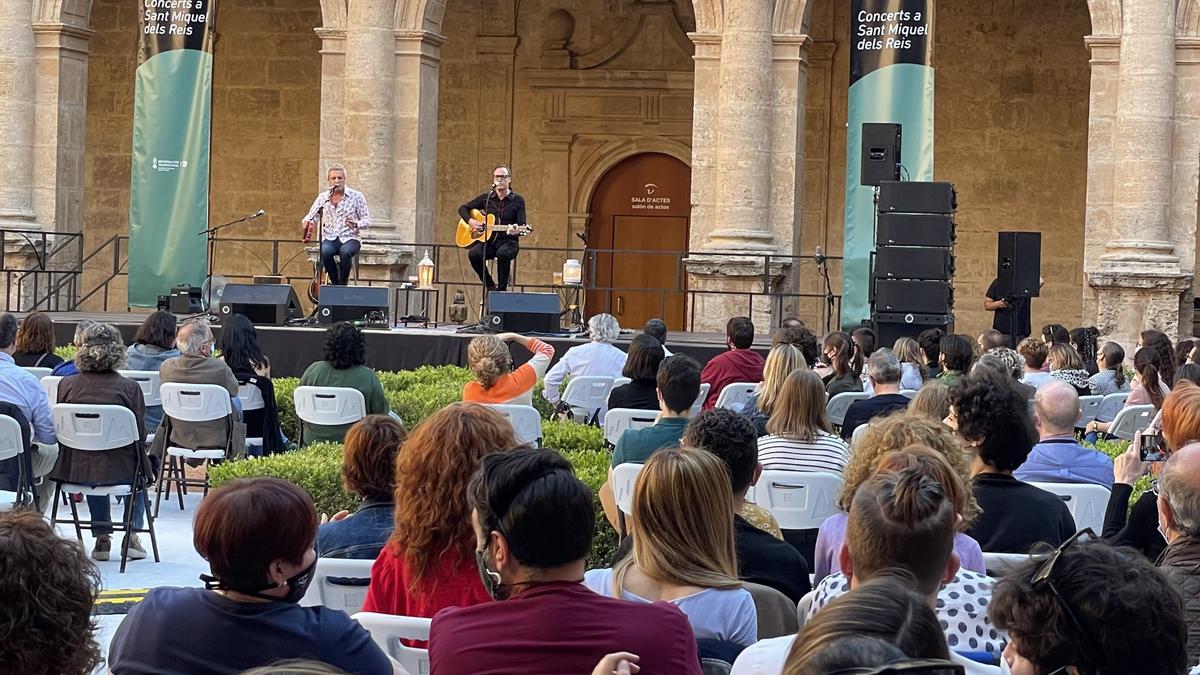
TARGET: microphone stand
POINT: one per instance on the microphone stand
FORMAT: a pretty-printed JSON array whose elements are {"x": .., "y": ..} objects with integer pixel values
[
  {"x": 211, "y": 233},
  {"x": 823, "y": 270},
  {"x": 481, "y": 326}
]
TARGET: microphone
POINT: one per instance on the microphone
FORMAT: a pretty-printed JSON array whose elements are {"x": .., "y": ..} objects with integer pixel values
[
  {"x": 581, "y": 238},
  {"x": 494, "y": 185},
  {"x": 260, "y": 212},
  {"x": 820, "y": 255}
]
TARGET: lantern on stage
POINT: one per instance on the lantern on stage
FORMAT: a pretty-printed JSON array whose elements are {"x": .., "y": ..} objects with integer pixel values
[{"x": 425, "y": 270}]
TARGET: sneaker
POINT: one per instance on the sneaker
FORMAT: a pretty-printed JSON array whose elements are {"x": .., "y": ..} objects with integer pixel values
[
  {"x": 136, "y": 552},
  {"x": 103, "y": 548}
]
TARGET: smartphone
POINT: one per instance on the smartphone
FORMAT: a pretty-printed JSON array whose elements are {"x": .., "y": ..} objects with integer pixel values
[{"x": 1153, "y": 447}]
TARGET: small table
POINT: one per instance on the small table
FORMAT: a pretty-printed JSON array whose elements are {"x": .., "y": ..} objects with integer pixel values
[
  {"x": 568, "y": 296},
  {"x": 428, "y": 302}
]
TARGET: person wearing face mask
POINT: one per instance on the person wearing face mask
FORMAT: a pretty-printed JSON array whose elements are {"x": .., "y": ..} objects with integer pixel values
[
  {"x": 1178, "y": 495},
  {"x": 257, "y": 535},
  {"x": 195, "y": 365},
  {"x": 534, "y": 522}
]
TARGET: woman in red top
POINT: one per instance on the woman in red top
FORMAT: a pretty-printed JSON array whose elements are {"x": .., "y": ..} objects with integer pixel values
[{"x": 429, "y": 562}]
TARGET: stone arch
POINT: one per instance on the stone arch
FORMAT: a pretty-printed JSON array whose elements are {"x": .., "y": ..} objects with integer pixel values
[
  {"x": 420, "y": 15},
  {"x": 600, "y": 159},
  {"x": 710, "y": 16},
  {"x": 1106, "y": 17},
  {"x": 1187, "y": 19},
  {"x": 791, "y": 17},
  {"x": 68, "y": 12},
  {"x": 333, "y": 14}
]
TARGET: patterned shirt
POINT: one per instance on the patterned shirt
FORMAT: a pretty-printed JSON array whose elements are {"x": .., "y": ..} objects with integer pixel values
[{"x": 352, "y": 206}]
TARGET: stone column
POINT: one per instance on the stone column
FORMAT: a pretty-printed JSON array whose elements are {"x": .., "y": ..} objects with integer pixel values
[
  {"x": 18, "y": 73},
  {"x": 58, "y": 141},
  {"x": 333, "y": 90},
  {"x": 790, "y": 58},
  {"x": 1186, "y": 167},
  {"x": 705, "y": 107},
  {"x": 1102, "y": 114},
  {"x": 369, "y": 129},
  {"x": 418, "y": 58}
]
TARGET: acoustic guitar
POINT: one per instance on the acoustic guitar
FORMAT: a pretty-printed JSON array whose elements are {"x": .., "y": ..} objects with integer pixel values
[{"x": 465, "y": 236}]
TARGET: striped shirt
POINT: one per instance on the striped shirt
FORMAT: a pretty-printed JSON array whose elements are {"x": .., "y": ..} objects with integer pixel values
[{"x": 826, "y": 453}]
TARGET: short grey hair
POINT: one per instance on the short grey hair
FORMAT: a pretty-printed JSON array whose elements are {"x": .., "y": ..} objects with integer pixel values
[
  {"x": 335, "y": 167},
  {"x": 192, "y": 336},
  {"x": 102, "y": 349},
  {"x": 604, "y": 328},
  {"x": 80, "y": 329},
  {"x": 1181, "y": 491},
  {"x": 883, "y": 367}
]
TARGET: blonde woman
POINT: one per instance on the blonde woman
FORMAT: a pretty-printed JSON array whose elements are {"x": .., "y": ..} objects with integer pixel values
[
  {"x": 886, "y": 435},
  {"x": 1066, "y": 365},
  {"x": 683, "y": 550},
  {"x": 799, "y": 435},
  {"x": 909, "y": 355},
  {"x": 932, "y": 401},
  {"x": 781, "y": 361},
  {"x": 495, "y": 380}
]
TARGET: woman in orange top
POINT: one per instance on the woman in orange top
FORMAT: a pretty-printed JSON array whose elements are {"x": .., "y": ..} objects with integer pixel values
[
  {"x": 429, "y": 562},
  {"x": 495, "y": 379}
]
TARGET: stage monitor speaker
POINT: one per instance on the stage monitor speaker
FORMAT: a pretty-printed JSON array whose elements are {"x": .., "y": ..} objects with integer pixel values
[
  {"x": 914, "y": 229},
  {"x": 880, "y": 153},
  {"x": 915, "y": 297},
  {"x": 891, "y": 326},
  {"x": 914, "y": 262},
  {"x": 263, "y": 304},
  {"x": 916, "y": 197},
  {"x": 526, "y": 312},
  {"x": 1019, "y": 264},
  {"x": 185, "y": 299},
  {"x": 353, "y": 303}
]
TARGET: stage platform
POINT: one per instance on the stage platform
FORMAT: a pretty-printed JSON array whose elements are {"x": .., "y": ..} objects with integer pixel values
[{"x": 292, "y": 348}]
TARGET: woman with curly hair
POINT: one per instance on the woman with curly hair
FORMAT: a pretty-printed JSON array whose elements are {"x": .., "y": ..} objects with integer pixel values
[
  {"x": 890, "y": 434},
  {"x": 49, "y": 587},
  {"x": 35, "y": 342},
  {"x": 1159, "y": 342},
  {"x": 495, "y": 380},
  {"x": 344, "y": 366},
  {"x": 992, "y": 420},
  {"x": 429, "y": 562}
]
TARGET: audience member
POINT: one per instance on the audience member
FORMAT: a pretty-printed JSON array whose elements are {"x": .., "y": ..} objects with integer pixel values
[
  {"x": 369, "y": 471},
  {"x": 883, "y": 372},
  {"x": 1058, "y": 457},
  {"x": 1035, "y": 352},
  {"x": 1083, "y": 340},
  {"x": 35, "y": 342},
  {"x": 49, "y": 587},
  {"x": 533, "y": 523},
  {"x": 257, "y": 536},
  {"x": 957, "y": 355},
  {"x": 1188, "y": 372},
  {"x": 196, "y": 365},
  {"x": 1147, "y": 368},
  {"x": 344, "y": 365},
  {"x": 845, "y": 363},
  {"x": 1178, "y": 493},
  {"x": 781, "y": 361},
  {"x": 890, "y": 435},
  {"x": 100, "y": 355},
  {"x": 801, "y": 338},
  {"x": 909, "y": 355},
  {"x": 1160, "y": 343},
  {"x": 597, "y": 357},
  {"x": 1090, "y": 608},
  {"x": 930, "y": 343},
  {"x": 428, "y": 562},
  {"x": 739, "y": 364},
  {"x": 495, "y": 381},
  {"x": 761, "y": 558},
  {"x": 864, "y": 340},
  {"x": 1066, "y": 365},
  {"x": 1055, "y": 334},
  {"x": 1008, "y": 363},
  {"x": 153, "y": 344},
  {"x": 20, "y": 388},
  {"x": 68, "y": 367},
  {"x": 641, "y": 392},
  {"x": 657, "y": 329},
  {"x": 683, "y": 548},
  {"x": 1110, "y": 375},
  {"x": 846, "y": 652},
  {"x": 932, "y": 401},
  {"x": 992, "y": 419},
  {"x": 799, "y": 435},
  {"x": 991, "y": 339},
  {"x": 240, "y": 351}
]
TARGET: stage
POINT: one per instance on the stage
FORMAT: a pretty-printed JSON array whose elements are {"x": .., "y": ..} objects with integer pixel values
[{"x": 292, "y": 348}]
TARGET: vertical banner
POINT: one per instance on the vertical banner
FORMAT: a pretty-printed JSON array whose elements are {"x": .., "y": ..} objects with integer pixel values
[
  {"x": 891, "y": 80},
  {"x": 172, "y": 109}
]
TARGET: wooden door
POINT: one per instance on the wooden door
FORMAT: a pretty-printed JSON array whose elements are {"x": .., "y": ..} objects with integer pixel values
[{"x": 639, "y": 227}]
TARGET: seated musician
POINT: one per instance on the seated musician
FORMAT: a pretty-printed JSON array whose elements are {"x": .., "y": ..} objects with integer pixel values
[{"x": 503, "y": 244}]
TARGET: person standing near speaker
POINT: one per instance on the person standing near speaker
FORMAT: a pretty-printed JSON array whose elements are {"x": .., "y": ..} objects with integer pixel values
[
  {"x": 343, "y": 215},
  {"x": 503, "y": 245},
  {"x": 1011, "y": 313}
]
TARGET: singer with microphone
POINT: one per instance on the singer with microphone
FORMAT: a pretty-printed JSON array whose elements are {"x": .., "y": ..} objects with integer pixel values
[
  {"x": 340, "y": 213},
  {"x": 503, "y": 245}
]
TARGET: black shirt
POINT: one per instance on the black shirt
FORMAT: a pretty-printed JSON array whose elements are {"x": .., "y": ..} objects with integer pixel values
[
  {"x": 1015, "y": 515},
  {"x": 508, "y": 211},
  {"x": 763, "y": 559},
  {"x": 1140, "y": 528},
  {"x": 638, "y": 394},
  {"x": 40, "y": 360},
  {"x": 1015, "y": 317},
  {"x": 861, "y": 412}
]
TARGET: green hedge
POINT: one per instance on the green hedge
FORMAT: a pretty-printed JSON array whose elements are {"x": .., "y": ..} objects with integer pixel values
[{"x": 1115, "y": 448}]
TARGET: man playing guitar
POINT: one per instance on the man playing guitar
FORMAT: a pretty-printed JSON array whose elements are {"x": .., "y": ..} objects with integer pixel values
[
  {"x": 509, "y": 209},
  {"x": 343, "y": 215}
]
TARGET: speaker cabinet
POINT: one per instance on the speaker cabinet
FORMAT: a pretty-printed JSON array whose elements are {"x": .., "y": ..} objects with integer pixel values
[
  {"x": 526, "y": 312},
  {"x": 185, "y": 299},
  {"x": 880, "y": 153},
  {"x": 913, "y": 297},
  {"x": 263, "y": 304},
  {"x": 891, "y": 326},
  {"x": 1019, "y": 264},
  {"x": 915, "y": 229},
  {"x": 353, "y": 303},
  {"x": 914, "y": 262},
  {"x": 916, "y": 197}
]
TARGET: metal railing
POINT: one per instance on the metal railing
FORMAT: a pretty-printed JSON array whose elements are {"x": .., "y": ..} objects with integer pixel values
[{"x": 41, "y": 269}]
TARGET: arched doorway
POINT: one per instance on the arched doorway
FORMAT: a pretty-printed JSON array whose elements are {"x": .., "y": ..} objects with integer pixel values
[{"x": 639, "y": 224}]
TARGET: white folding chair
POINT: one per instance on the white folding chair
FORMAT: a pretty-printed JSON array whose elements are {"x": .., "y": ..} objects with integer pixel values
[
  {"x": 339, "y": 583},
  {"x": 39, "y": 373},
  {"x": 859, "y": 432},
  {"x": 525, "y": 420},
  {"x": 1085, "y": 501},
  {"x": 190, "y": 403},
  {"x": 587, "y": 395},
  {"x": 388, "y": 631},
  {"x": 1000, "y": 564},
  {"x": 909, "y": 393},
  {"x": 252, "y": 399},
  {"x": 803, "y": 606},
  {"x": 12, "y": 446},
  {"x": 837, "y": 406},
  {"x": 735, "y": 394},
  {"x": 619, "y": 419},
  {"x": 799, "y": 500},
  {"x": 618, "y": 381},
  {"x": 1111, "y": 405},
  {"x": 1131, "y": 419},
  {"x": 704, "y": 389},
  {"x": 50, "y": 385},
  {"x": 329, "y": 406},
  {"x": 150, "y": 382},
  {"x": 102, "y": 428},
  {"x": 624, "y": 478},
  {"x": 1088, "y": 407}
]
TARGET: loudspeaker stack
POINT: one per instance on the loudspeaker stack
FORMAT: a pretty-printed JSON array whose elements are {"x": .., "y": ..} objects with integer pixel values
[{"x": 914, "y": 259}]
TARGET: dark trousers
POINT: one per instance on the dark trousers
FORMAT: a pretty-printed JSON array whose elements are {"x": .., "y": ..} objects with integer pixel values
[
  {"x": 338, "y": 270},
  {"x": 503, "y": 250}
]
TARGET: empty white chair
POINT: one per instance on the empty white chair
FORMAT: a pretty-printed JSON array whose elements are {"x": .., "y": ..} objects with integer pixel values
[
  {"x": 387, "y": 631},
  {"x": 1131, "y": 419},
  {"x": 339, "y": 583},
  {"x": 1088, "y": 407},
  {"x": 329, "y": 406},
  {"x": 525, "y": 421},
  {"x": 190, "y": 403},
  {"x": 999, "y": 564},
  {"x": 1085, "y": 501},
  {"x": 1111, "y": 405},
  {"x": 50, "y": 385},
  {"x": 150, "y": 382},
  {"x": 838, "y": 405},
  {"x": 12, "y": 445},
  {"x": 624, "y": 476},
  {"x": 735, "y": 394},
  {"x": 619, "y": 419},
  {"x": 587, "y": 395},
  {"x": 39, "y": 373},
  {"x": 799, "y": 500},
  {"x": 704, "y": 389}
]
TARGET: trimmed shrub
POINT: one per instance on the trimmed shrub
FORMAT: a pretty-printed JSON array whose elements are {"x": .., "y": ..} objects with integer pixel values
[
  {"x": 66, "y": 352},
  {"x": 317, "y": 468},
  {"x": 1114, "y": 449}
]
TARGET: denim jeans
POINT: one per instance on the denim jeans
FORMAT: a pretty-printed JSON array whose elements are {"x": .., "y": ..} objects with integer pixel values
[
  {"x": 339, "y": 270},
  {"x": 101, "y": 509}
]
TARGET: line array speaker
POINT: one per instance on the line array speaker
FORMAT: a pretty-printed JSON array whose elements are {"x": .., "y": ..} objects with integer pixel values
[
  {"x": 911, "y": 296},
  {"x": 914, "y": 262},
  {"x": 916, "y": 197},
  {"x": 915, "y": 229},
  {"x": 891, "y": 326}
]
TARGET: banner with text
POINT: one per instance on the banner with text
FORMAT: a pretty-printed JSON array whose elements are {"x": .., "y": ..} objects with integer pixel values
[
  {"x": 172, "y": 109},
  {"x": 891, "y": 80}
]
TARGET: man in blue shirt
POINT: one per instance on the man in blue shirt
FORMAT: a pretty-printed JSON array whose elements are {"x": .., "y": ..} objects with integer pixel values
[
  {"x": 1058, "y": 457},
  {"x": 23, "y": 390}
]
